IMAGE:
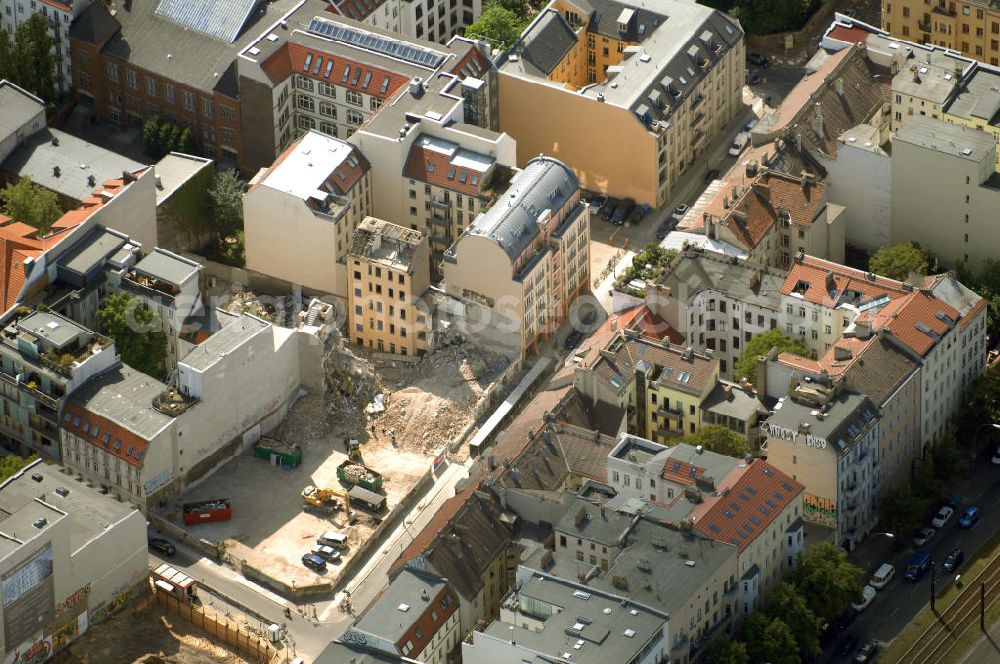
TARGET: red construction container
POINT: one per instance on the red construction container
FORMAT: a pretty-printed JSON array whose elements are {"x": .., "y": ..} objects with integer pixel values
[{"x": 206, "y": 511}]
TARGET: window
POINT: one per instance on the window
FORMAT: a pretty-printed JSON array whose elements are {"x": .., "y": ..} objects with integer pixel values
[
  {"x": 187, "y": 100},
  {"x": 305, "y": 102},
  {"x": 112, "y": 72},
  {"x": 227, "y": 113},
  {"x": 354, "y": 117},
  {"x": 327, "y": 109},
  {"x": 132, "y": 79},
  {"x": 328, "y": 128},
  {"x": 305, "y": 122},
  {"x": 327, "y": 90},
  {"x": 354, "y": 97},
  {"x": 168, "y": 93},
  {"x": 150, "y": 86},
  {"x": 206, "y": 108},
  {"x": 303, "y": 83},
  {"x": 376, "y": 103}
]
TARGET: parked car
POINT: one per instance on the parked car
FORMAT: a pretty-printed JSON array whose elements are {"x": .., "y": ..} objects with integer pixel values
[
  {"x": 623, "y": 211},
  {"x": 712, "y": 174},
  {"x": 314, "y": 562},
  {"x": 638, "y": 212},
  {"x": 679, "y": 212},
  {"x": 918, "y": 566},
  {"x": 954, "y": 502},
  {"x": 867, "y": 652},
  {"x": 848, "y": 645},
  {"x": 664, "y": 230},
  {"x": 867, "y": 595},
  {"x": 326, "y": 552},
  {"x": 597, "y": 204},
  {"x": 608, "y": 208},
  {"x": 739, "y": 143},
  {"x": 748, "y": 127},
  {"x": 996, "y": 458},
  {"x": 970, "y": 518},
  {"x": 573, "y": 339},
  {"x": 953, "y": 560},
  {"x": 753, "y": 78},
  {"x": 882, "y": 576},
  {"x": 162, "y": 546},
  {"x": 923, "y": 537},
  {"x": 942, "y": 517},
  {"x": 758, "y": 60}
]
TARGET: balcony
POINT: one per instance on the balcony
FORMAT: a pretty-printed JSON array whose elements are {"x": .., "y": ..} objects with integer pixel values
[
  {"x": 442, "y": 204},
  {"x": 30, "y": 387},
  {"x": 675, "y": 414},
  {"x": 151, "y": 288},
  {"x": 851, "y": 490},
  {"x": 924, "y": 26},
  {"x": 696, "y": 101}
]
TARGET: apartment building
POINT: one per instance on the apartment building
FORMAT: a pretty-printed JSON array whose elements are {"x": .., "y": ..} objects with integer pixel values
[
  {"x": 976, "y": 104},
  {"x": 874, "y": 365},
  {"x": 308, "y": 205},
  {"x": 111, "y": 436},
  {"x": 388, "y": 277},
  {"x": 60, "y": 15},
  {"x": 317, "y": 71},
  {"x": 969, "y": 26},
  {"x": 957, "y": 217},
  {"x": 775, "y": 215},
  {"x": 523, "y": 262},
  {"x": 416, "y": 617},
  {"x": 972, "y": 311},
  {"x": 540, "y": 620},
  {"x": 716, "y": 302},
  {"x": 827, "y": 439},
  {"x": 664, "y": 87},
  {"x": 71, "y": 557}
]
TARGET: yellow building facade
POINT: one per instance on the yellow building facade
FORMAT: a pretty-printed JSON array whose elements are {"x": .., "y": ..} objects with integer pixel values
[{"x": 969, "y": 26}]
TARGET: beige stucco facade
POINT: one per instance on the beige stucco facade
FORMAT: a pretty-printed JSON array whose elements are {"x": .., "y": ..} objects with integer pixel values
[{"x": 969, "y": 26}]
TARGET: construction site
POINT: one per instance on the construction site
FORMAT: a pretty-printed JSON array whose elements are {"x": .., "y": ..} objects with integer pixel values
[{"x": 344, "y": 460}]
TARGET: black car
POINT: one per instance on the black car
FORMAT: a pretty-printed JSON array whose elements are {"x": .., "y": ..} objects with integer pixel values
[
  {"x": 162, "y": 546},
  {"x": 573, "y": 339},
  {"x": 314, "y": 562},
  {"x": 953, "y": 560},
  {"x": 867, "y": 652},
  {"x": 609, "y": 208},
  {"x": 664, "y": 230},
  {"x": 713, "y": 174},
  {"x": 623, "y": 211},
  {"x": 848, "y": 645},
  {"x": 753, "y": 78},
  {"x": 758, "y": 60},
  {"x": 636, "y": 215}
]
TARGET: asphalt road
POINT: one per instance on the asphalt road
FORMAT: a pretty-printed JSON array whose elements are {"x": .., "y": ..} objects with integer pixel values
[{"x": 896, "y": 605}]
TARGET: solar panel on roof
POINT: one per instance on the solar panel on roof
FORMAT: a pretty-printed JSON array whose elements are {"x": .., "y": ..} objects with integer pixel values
[
  {"x": 385, "y": 45},
  {"x": 221, "y": 19}
]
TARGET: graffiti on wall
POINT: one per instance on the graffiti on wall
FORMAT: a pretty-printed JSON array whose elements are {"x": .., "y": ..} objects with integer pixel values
[
  {"x": 62, "y": 636},
  {"x": 74, "y": 599},
  {"x": 819, "y": 506},
  {"x": 37, "y": 653},
  {"x": 158, "y": 481},
  {"x": 120, "y": 596}
]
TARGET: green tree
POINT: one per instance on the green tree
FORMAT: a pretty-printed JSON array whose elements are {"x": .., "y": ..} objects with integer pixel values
[
  {"x": 153, "y": 138},
  {"x": 761, "y": 344},
  {"x": 901, "y": 510},
  {"x": 499, "y": 26},
  {"x": 29, "y": 203},
  {"x": 723, "y": 650},
  {"x": 761, "y": 17},
  {"x": 899, "y": 260},
  {"x": 516, "y": 7},
  {"x": 28, "y": 61},
  {"x": 926, "y": 483},
  {"x": 138, "y": 336},
  {"x": 980, "y": 406},
  {"x": 985, "y": 282},
  {"x": 9, "y": 465},
  {"x": 769, "y": 640},
  {"x": 827, "y": 580},
  {"x": 226, "y": 196},
  {"x": 719, "y": 439},
  {"x": 950, "y": 463},
  {"x": 786, "y": 603}
]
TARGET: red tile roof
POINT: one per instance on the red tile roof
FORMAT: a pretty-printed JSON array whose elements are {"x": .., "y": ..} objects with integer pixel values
[
  {"x": 827, "y": 282},
  {"x": 681, "y": 472},
  {"x": 104, "y": 433},
  {"x": 919, "y": 320},
  {"x": 756, "y": 496},
  {"x": 434, "y": 167},
  {"x": 291, "y": 58}
]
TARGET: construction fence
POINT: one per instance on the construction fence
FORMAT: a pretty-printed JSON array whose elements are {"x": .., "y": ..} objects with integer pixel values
[{"x": 218, "y": 627}]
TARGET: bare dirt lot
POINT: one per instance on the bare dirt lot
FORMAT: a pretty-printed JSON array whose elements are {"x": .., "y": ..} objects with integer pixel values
[
  {"x": 426, "y": 404},
  {"x": 151, "y": 637}
]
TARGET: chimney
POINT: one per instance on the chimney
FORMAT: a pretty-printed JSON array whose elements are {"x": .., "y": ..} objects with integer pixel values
[
  {"x": 709, "y": 225},
  {"x": 765, "y": 160},
  {"x": 417, "y": 87},
  {"x": 800, "y": 255},
  {"x": 763, "y": 190},
  {"x": 56, "y": 172},
  {"x": 838, "y": 85},
  {"x": 752, "y": 168},
  {"x": 817, "y": 120}
]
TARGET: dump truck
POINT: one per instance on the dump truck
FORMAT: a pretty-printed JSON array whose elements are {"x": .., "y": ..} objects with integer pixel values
[
  {"x": 175, "y": 583},
  {"x": 324, "y": 500},
  {"x": 206, "y": 511},
  {"x": 357, "y": 474},
  {"x": 354, "y": 451}
]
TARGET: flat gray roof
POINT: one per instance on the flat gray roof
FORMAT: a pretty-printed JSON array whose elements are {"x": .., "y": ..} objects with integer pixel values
[
  {"x": 18, "y": 105},
  {"x": 167, "y": 267},
  {"x": 226, "y": 340},
  {"x": 979, "y": 96},
  {"x": 100, "y": 243},
  {"x": 51, "y": 327},
  {"x": 125, "y": 397},
  {"x": 173, "y": 172},
  {"x": 610, "y": 632},
  {"x": 384, "y": 616},
  {"x": 933, "y": 80},
  {"x": 90, "y": 512},
  {"x": 77, "y": 162},
  {"x": 846, "y": 416},
  {"x": 947, "y": 138},
  {"x": 600, "y": 525}
]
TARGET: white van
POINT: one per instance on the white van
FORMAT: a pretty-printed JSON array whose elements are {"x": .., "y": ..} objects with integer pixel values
[
  {"x": 739, "y": 143},
  {"x": 882, "y": 576},
  {"x": 332, "y": 538}
]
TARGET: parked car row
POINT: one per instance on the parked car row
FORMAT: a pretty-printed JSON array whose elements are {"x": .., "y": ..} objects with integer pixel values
[{"x": 327, "y": 550}]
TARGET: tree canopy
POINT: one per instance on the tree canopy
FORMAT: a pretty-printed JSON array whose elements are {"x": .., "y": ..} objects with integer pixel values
[
  {"x": 138, "y": 336},
  {"x": 226, "y": 196},
  {"x": 761, "y": 17},
  {"x": 769, "y": 640},
  {"x": 985, "y": 282},
  {"x": 28, "y": 60},
  {"x": 899, "y": 260},
  {"x": 785, "y": 602},
  {"x": 498, "y": 25},
  {"x": 719, "y": 439},
  {"x": 901, "y": 509},
  {"x": 723, "y": 650},
  {"x": 30, "y": 203},
  {"x": 760, "y": 344},
  {"x": 827, "y": 580},
  {"x": 9, "y": 465},
  {"x": 160, "y": 137}
]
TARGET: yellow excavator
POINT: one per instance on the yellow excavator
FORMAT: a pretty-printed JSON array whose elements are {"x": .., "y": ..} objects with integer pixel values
[
  {"x": 354, "y": 451},
  {"x": 325, "y": 500}
]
